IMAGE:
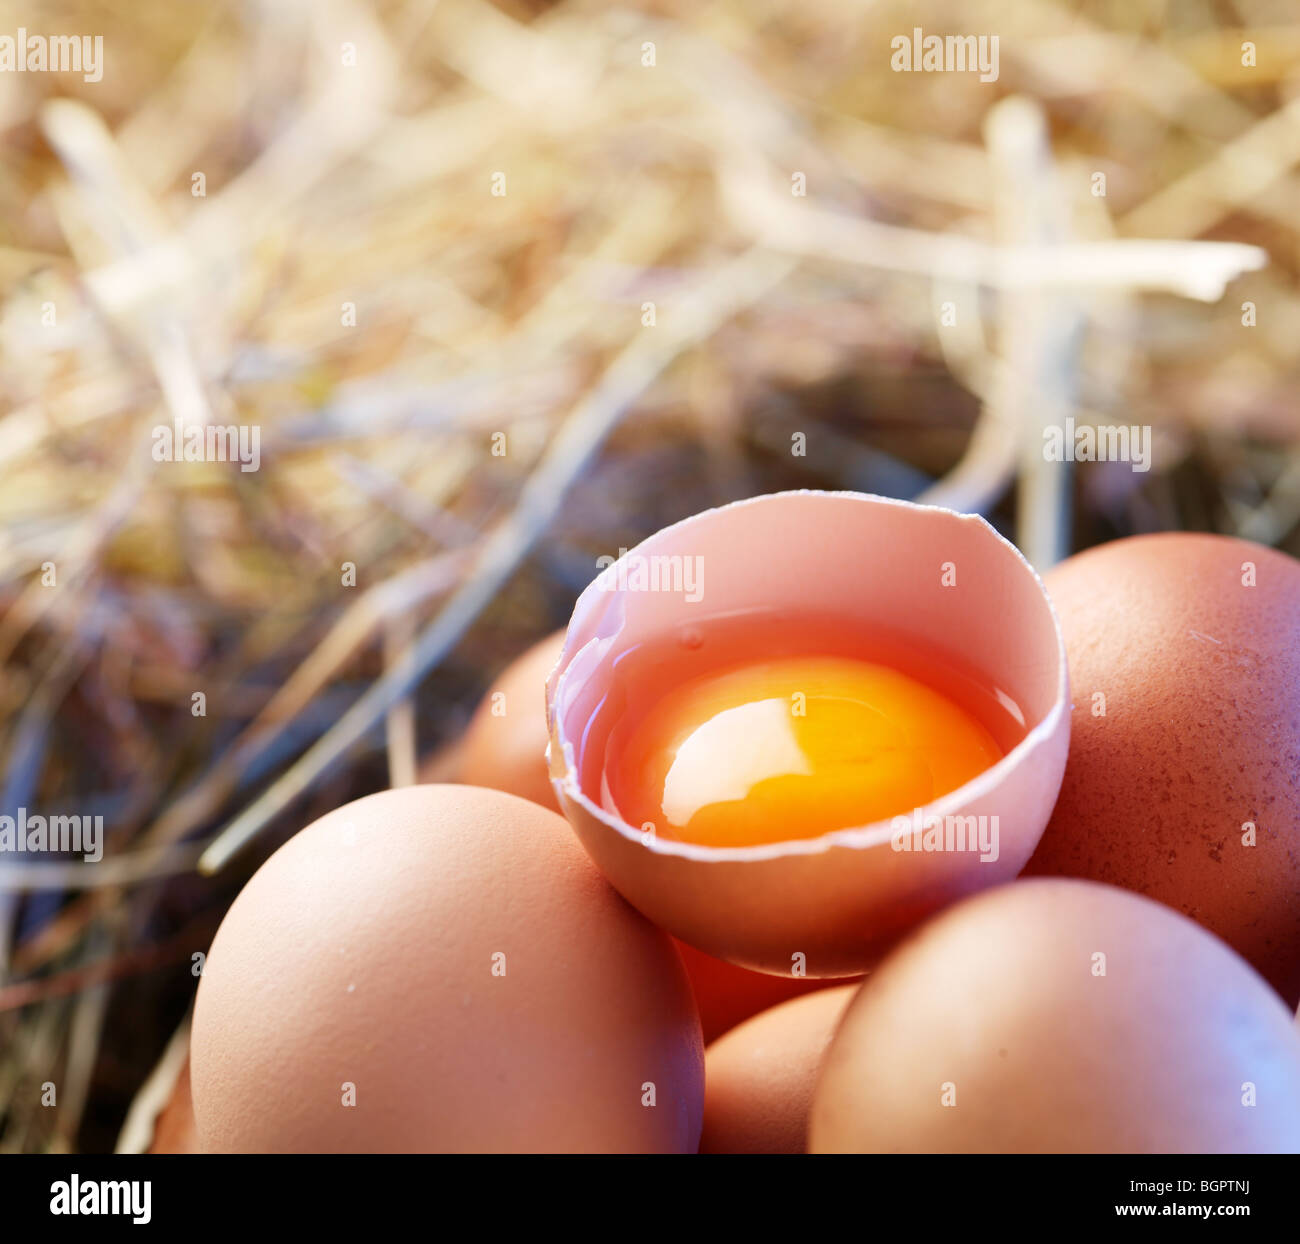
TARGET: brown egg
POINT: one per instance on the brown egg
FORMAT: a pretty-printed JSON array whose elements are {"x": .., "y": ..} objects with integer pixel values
[
  {"x": 727, "y": 994},
  {"x": 174, "y": 1130},
  {"x": 1183, "y": 779},
  {"x": 759, "y": 1078},
  {"x": 441, "y": 968},
  {"x": 504, "y": 747},
  {"x": 1054, "y": 1016},
  {"x": 833, "y": 901}
]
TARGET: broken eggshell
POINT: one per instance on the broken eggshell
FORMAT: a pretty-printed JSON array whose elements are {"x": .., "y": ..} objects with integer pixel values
[{"x": 828, "y": 905}]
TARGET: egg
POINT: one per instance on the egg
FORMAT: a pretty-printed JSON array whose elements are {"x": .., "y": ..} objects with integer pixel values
[
  {"x": 504, "y": 748},
  {"x": 759, "y": 1078},
  {"x": 442, "y": 969},
  {"x": 790, "y": 728},
  {"x": 727, "y": 994},
  {"x": 174, "y": 1130},
  {"x": 1183, "y": 779},
  {"x": 1053, "y": 1016}
]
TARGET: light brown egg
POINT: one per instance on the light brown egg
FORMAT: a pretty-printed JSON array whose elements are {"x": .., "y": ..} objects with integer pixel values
[
  {"x": 834, "y": 902},
  {"x": 441, "y": 968},
  {"x": 1061, "y": 1016},
  {"x": 504, "y": 746},
  {"x": 1183, "y": 780},
  {"x": 759, "y": 1078}
]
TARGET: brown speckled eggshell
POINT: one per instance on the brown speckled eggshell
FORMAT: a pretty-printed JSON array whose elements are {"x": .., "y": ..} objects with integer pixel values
[
  {"x": 1201, "y": 734},
  {"x": 362, "y": 952},
  {"x": 994, "y": 1030}
]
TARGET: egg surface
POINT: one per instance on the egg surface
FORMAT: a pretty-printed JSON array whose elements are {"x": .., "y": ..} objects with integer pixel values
[
  {"x": 174, "y": 1130},
  {"x": 441, "y": 968},
  {"x": 728, "y": 994},
  {"x": 1060, "y": 1016},
  {"x": 1183, "y": 775},
  {"x": 504, "y": 746},
  {"x": 759, "y": 1078}
]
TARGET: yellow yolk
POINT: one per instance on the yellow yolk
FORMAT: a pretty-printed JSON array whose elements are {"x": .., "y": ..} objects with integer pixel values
[{"x": 794, "y": 748}]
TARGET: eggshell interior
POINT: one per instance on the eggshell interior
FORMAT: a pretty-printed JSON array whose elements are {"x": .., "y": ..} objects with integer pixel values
[{"x": 833, "y": 903}]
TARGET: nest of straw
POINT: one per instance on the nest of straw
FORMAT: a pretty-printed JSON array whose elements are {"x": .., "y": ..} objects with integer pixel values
[{"x": 283, "y": 216}]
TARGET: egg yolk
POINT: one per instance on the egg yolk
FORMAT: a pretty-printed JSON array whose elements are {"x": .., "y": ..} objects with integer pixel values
[{"x": 794, "y": 748}]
